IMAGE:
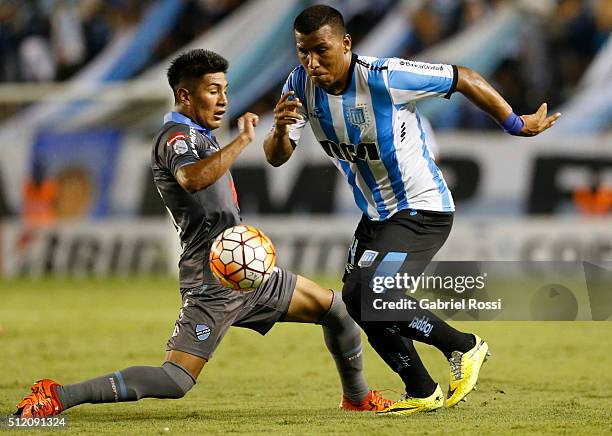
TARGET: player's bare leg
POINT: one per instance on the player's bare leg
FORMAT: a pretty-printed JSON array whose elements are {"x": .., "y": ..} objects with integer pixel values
[
  {"x": 313, "y": 304},
  {"x": 192, "y": 364},
  {"x": 310, "y": 302}
]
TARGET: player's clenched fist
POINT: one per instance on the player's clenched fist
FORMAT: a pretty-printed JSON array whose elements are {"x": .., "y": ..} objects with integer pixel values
[
  {"x": 285, "y": 112},
  {"x": 246, "y": 125}
]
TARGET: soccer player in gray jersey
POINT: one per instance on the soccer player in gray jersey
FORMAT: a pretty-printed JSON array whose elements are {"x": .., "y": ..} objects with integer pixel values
[
  {"x": 363, "y": 112},
  {"x": 191, "y": 172}
]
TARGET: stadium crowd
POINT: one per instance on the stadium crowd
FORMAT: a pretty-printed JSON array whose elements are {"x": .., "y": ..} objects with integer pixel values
[
  {"x": 558, "y": 40},
  {"x": 50, "y": 40}
]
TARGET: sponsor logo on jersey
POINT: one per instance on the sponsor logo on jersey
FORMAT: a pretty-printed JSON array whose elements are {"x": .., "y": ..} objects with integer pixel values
[
  {"x": 367, "y": 258},
  {"x": 193, "y": 138},
  {"x": 202, "y": 332},
  {"x": 422, "y": 65},
  {"x": 351, "y": 152}
]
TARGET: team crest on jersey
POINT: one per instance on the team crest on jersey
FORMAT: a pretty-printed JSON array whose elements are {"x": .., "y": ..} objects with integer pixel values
[
  {"x": 177, "y": 142},
  {"x": 357, "y": 116},
  {"x": 180, "y": 147}
]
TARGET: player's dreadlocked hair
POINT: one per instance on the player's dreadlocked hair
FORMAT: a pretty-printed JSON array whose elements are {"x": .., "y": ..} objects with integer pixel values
[
  {"x": 315, "y": 17},
  {"x": 193, "y": 64}
]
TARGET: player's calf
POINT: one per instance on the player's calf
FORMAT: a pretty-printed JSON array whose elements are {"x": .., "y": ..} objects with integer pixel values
[
  {"x": 313, "y": 304},
  {"x": 131, "y": 384},
  {"x": 343, "y": 340}
]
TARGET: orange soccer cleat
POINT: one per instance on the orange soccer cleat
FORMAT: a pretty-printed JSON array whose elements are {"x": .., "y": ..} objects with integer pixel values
[
  {"x": 43, "y": 401},
  {"x": 373, "y": 402}
]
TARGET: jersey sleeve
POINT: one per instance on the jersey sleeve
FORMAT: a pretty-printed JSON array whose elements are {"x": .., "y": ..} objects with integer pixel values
[
  {"x": 296, "y": 82},
  {"x": 411, "y": 81},
  {"x": 177, "y": 150}
]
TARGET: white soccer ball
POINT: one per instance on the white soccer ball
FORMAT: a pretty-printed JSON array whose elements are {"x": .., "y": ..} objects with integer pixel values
[{"x": 242, "y": 258}]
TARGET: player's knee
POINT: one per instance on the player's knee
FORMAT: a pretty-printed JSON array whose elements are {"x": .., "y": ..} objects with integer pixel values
[
  {"x": 168, "y": 381},
  {"x": 336, "y": 317},
  {"x": 182, "y": 380}
]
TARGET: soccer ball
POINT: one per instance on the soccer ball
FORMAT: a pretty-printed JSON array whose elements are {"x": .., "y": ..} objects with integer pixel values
[{"x": 242, "y": 258}]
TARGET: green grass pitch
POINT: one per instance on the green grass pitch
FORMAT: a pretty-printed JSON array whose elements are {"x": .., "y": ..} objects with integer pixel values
[{"x": 551, "y": 378}]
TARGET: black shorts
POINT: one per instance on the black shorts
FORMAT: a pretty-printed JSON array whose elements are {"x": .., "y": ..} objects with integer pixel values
[
  {"x": 409, "y": 238},
  {"x": 209, "y": 311}
]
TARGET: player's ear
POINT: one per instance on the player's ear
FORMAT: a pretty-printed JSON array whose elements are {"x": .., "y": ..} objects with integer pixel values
[
  {"x": 347, "y": 43},
  {"x": 182, "y": 96}
]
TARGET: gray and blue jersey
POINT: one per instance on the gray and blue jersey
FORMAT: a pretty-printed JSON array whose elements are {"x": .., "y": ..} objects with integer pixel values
[
  {"x": 374, "y": 135},
  {"x": 200, "y": 216}
]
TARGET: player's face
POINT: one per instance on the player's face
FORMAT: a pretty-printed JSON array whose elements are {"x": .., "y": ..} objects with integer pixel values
[
  {"x": 325, "y": 54},
  {"x": 209, "y": 100}
]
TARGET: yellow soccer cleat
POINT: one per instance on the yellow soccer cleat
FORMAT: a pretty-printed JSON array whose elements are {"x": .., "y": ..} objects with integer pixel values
[
  {"x": 464, "y": 369},
  {"x": 409, "y": 405}
]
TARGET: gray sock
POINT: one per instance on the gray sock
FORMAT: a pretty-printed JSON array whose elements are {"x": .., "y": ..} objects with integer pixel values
[
  {"x": 343, "y": 339},
  {"x": 131, "y": 384}
]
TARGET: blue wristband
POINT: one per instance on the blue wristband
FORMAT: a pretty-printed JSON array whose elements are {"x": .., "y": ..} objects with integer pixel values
[{"x": 513, "y": 124}]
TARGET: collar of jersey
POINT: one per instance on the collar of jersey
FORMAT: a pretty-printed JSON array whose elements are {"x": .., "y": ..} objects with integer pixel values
[{"x": 182, "y": 119}]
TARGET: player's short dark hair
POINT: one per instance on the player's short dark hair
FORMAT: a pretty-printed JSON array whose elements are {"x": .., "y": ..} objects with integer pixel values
[
  {"x": 193, "y": 64},
  {"x": 315, "y": 17}
]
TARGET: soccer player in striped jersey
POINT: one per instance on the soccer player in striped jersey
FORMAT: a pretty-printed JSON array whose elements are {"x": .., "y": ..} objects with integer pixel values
[{"x": 363, "y": 112}]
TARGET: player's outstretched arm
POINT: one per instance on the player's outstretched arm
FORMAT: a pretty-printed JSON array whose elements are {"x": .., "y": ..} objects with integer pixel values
[
  {"x": 277, "y": 145},
  {"x": 482, "y": 94},
  {"x": 200, "y": 175}
]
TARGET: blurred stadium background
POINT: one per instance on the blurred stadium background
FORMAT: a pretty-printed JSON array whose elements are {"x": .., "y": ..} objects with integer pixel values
[
  {"x": 82, "y": 93},
  {"x": 83, "y": 90}
]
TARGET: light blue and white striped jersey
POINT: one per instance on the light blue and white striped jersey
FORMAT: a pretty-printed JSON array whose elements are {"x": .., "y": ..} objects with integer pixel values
[{"x": 373, "y": 133}]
